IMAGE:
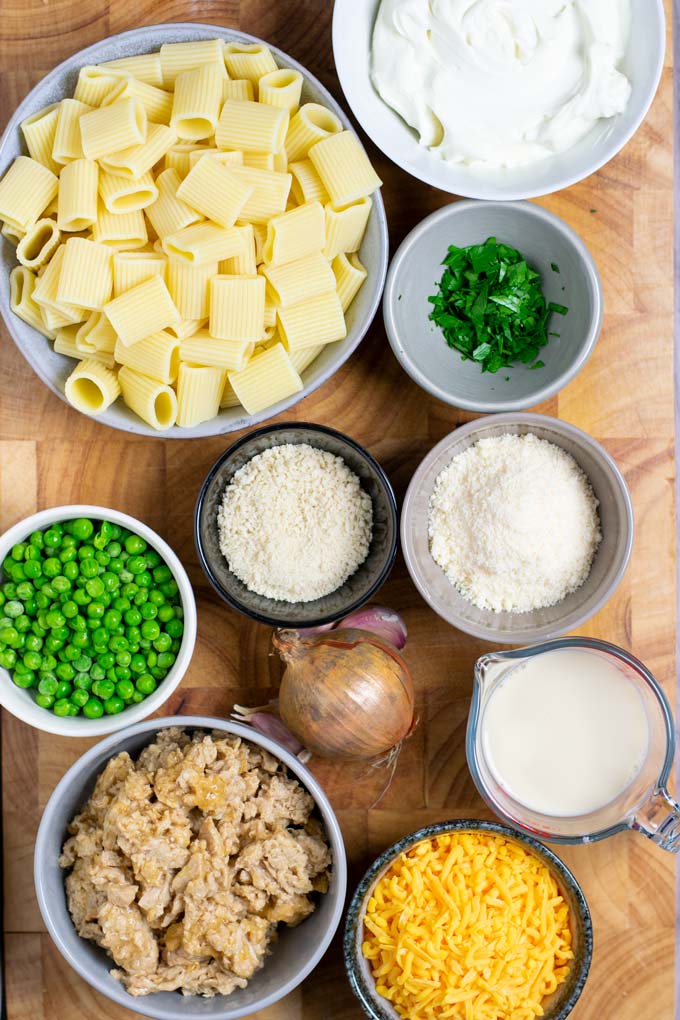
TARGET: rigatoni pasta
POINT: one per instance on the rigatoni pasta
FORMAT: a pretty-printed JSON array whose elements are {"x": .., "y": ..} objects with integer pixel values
[{"x": 193, "y": 230}]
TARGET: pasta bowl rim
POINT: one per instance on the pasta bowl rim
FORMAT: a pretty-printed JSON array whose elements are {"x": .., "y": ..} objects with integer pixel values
[
  {"x": 128, "y": 421},
  {"x": 399, "y": 143},
  {"x": 19, "y": 702},
  {"x": 364, "y": 988},
  {"x": 56, "y": 915},
  {"x": 391, "y": 503},
  {"x": 521, "y": 630}
]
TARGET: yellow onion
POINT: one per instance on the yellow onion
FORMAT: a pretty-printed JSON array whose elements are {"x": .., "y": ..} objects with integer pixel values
[{"x": 346, "y": 694}]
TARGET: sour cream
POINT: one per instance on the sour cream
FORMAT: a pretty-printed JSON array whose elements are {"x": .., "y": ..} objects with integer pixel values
[{"x": 501, "y": 83}]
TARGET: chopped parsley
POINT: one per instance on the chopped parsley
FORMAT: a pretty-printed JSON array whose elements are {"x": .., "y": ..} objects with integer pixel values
[{"x": 490, "y": 306}]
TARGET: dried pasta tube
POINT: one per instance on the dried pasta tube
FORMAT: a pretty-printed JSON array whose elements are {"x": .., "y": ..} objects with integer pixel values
[
  {"x": 310, "y": 125},
  {"x": 77, "y": 199},
  {"x": 282, "y": 87},
  {"x": 91, "y": 387},
  {"x": 38, "y": 244},
  {"x": 196, "y": 107},
  {"x": 199, "y": 391},
  {"x": 153, "y": 401}
]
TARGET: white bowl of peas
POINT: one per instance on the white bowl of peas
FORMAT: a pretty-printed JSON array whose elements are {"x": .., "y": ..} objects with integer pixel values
[{"x": 97, "y": 620}]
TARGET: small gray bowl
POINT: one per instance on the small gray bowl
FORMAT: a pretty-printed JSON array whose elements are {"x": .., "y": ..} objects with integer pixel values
[
  {"x": 293, "y": 957},
  {"x": 54, "y": 368},
  {"x": 609, "y": 565},
  {"x": 544, "y": 240},
  {"x": 357, "y": 589},
  {"x": 557, "y": 1006}
]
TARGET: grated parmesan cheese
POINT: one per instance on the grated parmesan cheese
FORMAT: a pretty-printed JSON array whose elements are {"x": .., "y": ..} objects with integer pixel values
[
  {"x": 468, "y": 925},
  {"x": 295, "y": 523},
  {"x": 513, "y": 523}
]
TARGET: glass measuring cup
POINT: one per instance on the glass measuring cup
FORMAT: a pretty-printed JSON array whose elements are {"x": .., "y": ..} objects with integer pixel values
[{"x": 645, "y": 805}]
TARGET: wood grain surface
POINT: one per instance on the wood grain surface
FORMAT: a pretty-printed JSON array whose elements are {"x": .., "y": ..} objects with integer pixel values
[{"x": 50, "y": 455}]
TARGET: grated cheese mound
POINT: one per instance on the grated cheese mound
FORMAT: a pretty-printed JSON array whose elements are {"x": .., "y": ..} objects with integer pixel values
[
  {"x": 295, "y": 523},
  {"x": 467, "y": 925},
  {"x": 513, "y": 523}
]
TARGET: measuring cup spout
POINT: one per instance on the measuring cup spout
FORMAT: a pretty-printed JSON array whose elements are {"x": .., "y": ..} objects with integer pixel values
[{"x": 659, "y": 820}]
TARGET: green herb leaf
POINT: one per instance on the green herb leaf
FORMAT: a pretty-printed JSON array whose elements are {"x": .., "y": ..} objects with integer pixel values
[{"x": 490, "y": 306}]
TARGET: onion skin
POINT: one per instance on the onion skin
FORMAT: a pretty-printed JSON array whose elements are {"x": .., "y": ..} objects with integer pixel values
[
  {"x": 384, "y": 622},
  {"x": 345, "y": 695}
]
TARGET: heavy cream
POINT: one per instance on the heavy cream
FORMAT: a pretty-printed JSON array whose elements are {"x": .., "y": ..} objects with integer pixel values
[
  {"x": 565, "y": 732},
  {"x": 501, "y": 83}
]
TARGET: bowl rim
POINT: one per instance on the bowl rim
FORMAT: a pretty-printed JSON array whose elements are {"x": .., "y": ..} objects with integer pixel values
[
  {"x": 526, "y": 420},
  {"x": 135, "y": 713},
  {"x": 364, "y": 992},
  {"x": 478, "y": 189},
  {"x": 362, "y": 452},
  {"x": 82, "y": 768},
  {"x": 539, "y": 393},
  {"x": 89, "y": 55}
]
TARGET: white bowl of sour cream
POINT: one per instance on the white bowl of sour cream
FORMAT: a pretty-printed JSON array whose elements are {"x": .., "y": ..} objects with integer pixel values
[{"x": 499, "y": 99}]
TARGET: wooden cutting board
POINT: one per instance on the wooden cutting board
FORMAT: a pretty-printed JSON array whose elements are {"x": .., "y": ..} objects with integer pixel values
[{"x": 624, "y": 397}]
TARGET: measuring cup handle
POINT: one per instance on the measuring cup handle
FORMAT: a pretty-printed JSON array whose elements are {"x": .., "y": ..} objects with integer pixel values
[{"x": 659, "y": 820}]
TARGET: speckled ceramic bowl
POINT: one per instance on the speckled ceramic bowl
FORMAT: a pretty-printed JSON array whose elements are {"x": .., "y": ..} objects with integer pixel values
[
  {"x": 557, "y": 1006},
  {"x": 53, "y": 368},
  {"x": 357, "y": 589}
]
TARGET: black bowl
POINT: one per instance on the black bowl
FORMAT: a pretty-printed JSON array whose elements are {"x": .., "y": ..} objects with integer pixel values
[{"x": 357, "y": 589}]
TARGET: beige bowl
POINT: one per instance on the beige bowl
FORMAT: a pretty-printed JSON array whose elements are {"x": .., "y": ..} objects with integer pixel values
[{"x": 611, "y": 559}]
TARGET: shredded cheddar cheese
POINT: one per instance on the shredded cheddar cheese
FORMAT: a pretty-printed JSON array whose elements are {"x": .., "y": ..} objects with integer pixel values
[{"x": 468, "y": 926}]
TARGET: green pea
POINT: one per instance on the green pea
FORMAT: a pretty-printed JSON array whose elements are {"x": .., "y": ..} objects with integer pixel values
[
  {"x": 103, "y": 689},
  {"x": 134, "y": 635},
  {"x": 107, "y": 660},
  {"x": 129, "y": 589},
  {"x": 144, "y": 580},
  {"x": 49, "y": 662},
  {"x": 162, "y": 573},
  {"x": 145, "y": 684},
  {"x": 93, "y": 708},
  {"x": 13, "y": 609},
  {"x": 95, "y": 610},
  {"x": 141, "y": 596},
  {"x": 134, "y": 545},
  {"x": 80, "y": 698},
  {"x": 32, "y": 660},
  {"x": 133, "y": 617},
  {"x": 61, "y": 584},
  {"x": 44, "y": 700},
  {"x": 8, "y": 658},
  {"x": 123, "y": 673},
  {"x": 64, "y": 689},
  {"x": 89, "y": 567},
  {"x": 96, "y": 671},
  {"x": 138, "y": 664},
  {"x": 52, "y": 538},
  {"x": 10, "y": 589},
  {"x": 175, "y": 628},
  {"x": 61, "y": 707},
  {"x": 9, "y": 636},
  {"x": 137, "y": 697},
  {"x": 123, "y": 658},
  {"x": 150, "y": 630},
  {"x": 82, "y": 681},
  {"x": 23, "y": 623},
  {"x": 112, "y": 619},
  {"x": 78, "y": 623},
  {"x": 55, "y": 619},
  {"x": 25, "y": 591},
  {"x": 65, "y": 671},
  {"x": 170, "y": 589},
  {"x": 151, "y": 659},
  {"x": 53, "y": 644},
  {"x": 118, "y": 644},
  {"x": 30, "y": 607},
  {"x": 114, "y": 705},
  {"x": 116, "y": 565},
  {"x": 149, "y": 611},
  {"x": 121, "y": 604},
  {"x": 166, "y": 613},
  {"x": 36, "y": 539},
  {"x": 67, "y": 556},
  {"x": 70, "y": 571},
  {"x": 69, "y": 609},
  {"x": 95, "y": 588},
  {"x": 158, "y": 673},
  {"x": 52, "y": 567},
  {"x": 125, "y": 689},
  {"x": 33, "y": 643},
  {"x": 153, "y": 558},
  {"x": 81, "y": 528},
  {"x": 81, "y": 597},
  {"x": 166, "y": 660},
  {"x": 114, "y": 548},
  {"x": 48, "y": 685},
  {"x": 33, "y": 569},
  {"x": 18, "y": 551},
  {"x": 163, "y": 643},
  {"x": 62, "y": 633},
  {"x": 110, "y": 581},
  {"x": 80, "y": 640}
]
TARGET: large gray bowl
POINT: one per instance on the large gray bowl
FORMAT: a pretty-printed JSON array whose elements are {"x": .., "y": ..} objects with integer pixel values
[
  {"x": 53, "y": 368},
  {"x": 609, "y": 565},
  {"x": 293, "y": 957},
  {"x": 544, "y": 240}
]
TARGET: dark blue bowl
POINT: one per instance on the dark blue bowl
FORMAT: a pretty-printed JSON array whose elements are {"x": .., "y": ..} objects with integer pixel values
[{"x": 557, "y": 1006}]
